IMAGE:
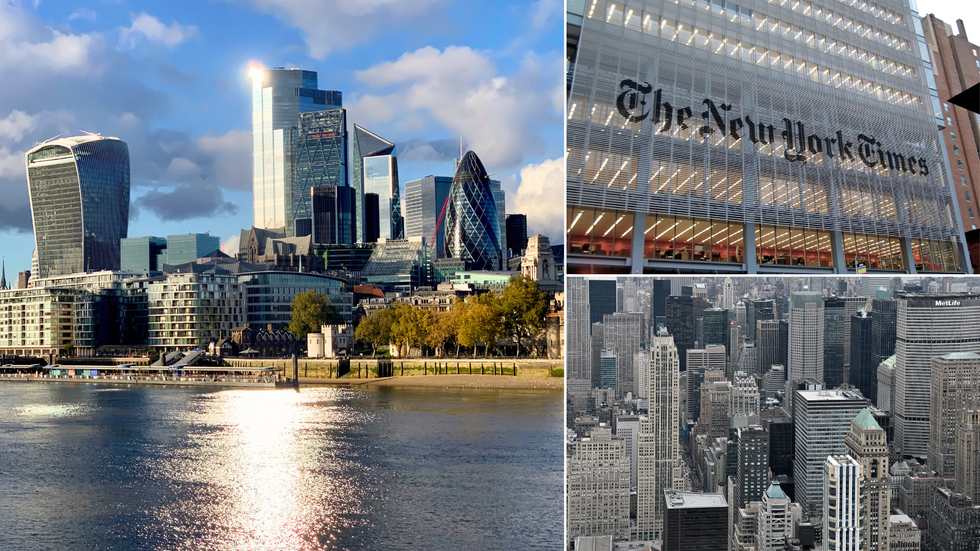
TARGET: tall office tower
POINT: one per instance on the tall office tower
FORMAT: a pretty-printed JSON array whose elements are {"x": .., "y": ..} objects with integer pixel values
[
  {"x": 715, "y": 327},
  {"x": 140, "y": 254},
  {"x": 472, "y": 226},
  {"x": 822, "y": 420},
  {"x": 728, "y": 295},
  {"x": 845, "y": 513},
  {"x": 954, "y": 523},
  {"x": 885, "y": 389},
  {"x": 608, "y": 369},
  {"x": 424, "y": 202},
  {"x": 755, "y": 311},
  {"x": 699, "y": 361},
  {"x": 516, "y": 234},
  {"x": 333, "y": 221},
  {"x": 744, "y": 396},
  {"x": 779, "y": 425},
  {"x": 278, "y": 97},
  {"x": 678, "y": 283},
  {"x": 767, "y": 347},
  {"x": 661, "y": 290},
  {"x": 658, "y": 464},
  {"x": 784, "y": 343},
  {"x": 720, "y": 179},
  {"x": 867, "y": 444},
  {"x": 630, "y": 297},
  {"x": 628, "y": 428},
  {"x": 716, "y": 404},
  {"x": 184, "y": 248},
  {"x": 863, "y": 370},
  {"x": 320, "y": 161},
  {"x": 955, "y": 388},
  {"x": 620, "y": 305},
  {"x": 871, "y": 284},
  {"x": 499, "y": 199},
  {"x": 834, "y": 342},
  {"x": 774, "y": 381},
  {"x": 954, "y": 60},
  {"x": 777, "y": 518},
  {"x": 372, "y": 217},
  {"x": 602, "y": 298},
  {"x": 598, "y": 343},
  {"x": 682, "y": 315},
  {"x": 928, "y": 326},
  {"x": 967, "y": 445},
  {"x": 752, "y": 471},
  {"x": 806, "y": 339},
  {"x": 695, "y": 521},
  {"x": 904, "y": 534},
  {"x": 641, "y": 364},
  {"x": 624, "y": 333},
  {"x": 79, "y": 192},
  {"x": 741, "y": 314},
  {"x": 376, "y": 171},
  {"x": 884, "y": 328},
  {"x": 599, "y": 486},
  {"x": 578, "y": 353}
]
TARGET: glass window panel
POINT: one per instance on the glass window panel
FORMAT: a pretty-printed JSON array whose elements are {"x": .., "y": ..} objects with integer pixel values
[{"x": 683, "y": 248}]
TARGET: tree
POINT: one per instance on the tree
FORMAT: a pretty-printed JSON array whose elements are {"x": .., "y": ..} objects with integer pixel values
[
  {"x": 523, "y": 307},
  {"x": 480, "y": 322},
  {"x": 375, "y": 329},
  {"x": 310, "y": 311},
  {"x": 442, "y": 331},
  {"x": 410, "y": 326}
]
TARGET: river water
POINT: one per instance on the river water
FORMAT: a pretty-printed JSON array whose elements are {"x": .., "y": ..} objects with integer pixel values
[{"x": 87, "y": 466}]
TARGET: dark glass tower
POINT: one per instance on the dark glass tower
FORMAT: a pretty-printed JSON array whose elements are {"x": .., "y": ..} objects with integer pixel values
[
  {"x": 321, "y": 160},
  {"x": 864, "y": 372},
  {"x": 376, "y": 171},
  {"x": 884, "y": 328},
  {"x": 834, "y": 341},
  {"x": 516, "y": 233},
  {"x": 602, "y": 299},
  {"x": 79, "y": 190},
  {"x": 682, "y": 313},
  {"x": 333, "y": 215},
  {"x": 471, "y": 217},
  {"x": 716, "y": 327}
]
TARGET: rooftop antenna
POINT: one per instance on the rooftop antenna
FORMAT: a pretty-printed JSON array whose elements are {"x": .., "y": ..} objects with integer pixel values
[
  {"x": 48, "y": 140},
  {"x": 86, "y": 132}
]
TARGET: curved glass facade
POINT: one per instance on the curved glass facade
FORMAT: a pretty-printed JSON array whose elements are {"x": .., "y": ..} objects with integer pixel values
[
  {"x": 471, "y": 218},
  {"x": 79, "y": 189},
  {"x": 269, "y": 295}
]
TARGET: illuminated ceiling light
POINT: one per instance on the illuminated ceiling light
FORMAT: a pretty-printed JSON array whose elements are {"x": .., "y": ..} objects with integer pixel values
[
  {"x": 651, "y": 227},
  {"x": 665, "y": 231},
  {"x": 614, "y": 225},
  {"x": 577, "y": 216},
  {"x": 588, "y": 231},
  {"x": 629, "y": 229}
]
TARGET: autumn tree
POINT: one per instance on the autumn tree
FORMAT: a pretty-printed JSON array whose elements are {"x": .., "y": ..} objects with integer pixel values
[
  {"x": 375, "y": 329},
  {"x": 480, "y": 322},
  {"x": 311, "y": 310},
  {"x": 410, "y": 326},
  {"x": 442, "y": 331},
  {"x": 523, "y": 308}
]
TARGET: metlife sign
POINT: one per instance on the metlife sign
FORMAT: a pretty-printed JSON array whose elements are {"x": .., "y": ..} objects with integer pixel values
[{"x": 947, "y": 303}]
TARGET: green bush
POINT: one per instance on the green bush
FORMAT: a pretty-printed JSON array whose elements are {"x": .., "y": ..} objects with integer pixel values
[{"x": 558, "y": 372}]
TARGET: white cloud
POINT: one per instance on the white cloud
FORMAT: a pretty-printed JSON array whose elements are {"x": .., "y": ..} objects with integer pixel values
[
  {"x": 27, "y": 45},
  {"x": 499, "y": 117},
  {"x": 152, "y": 29},
  {"x": 230, "y": 246},
  {"x": 231, "y": 156},
  {"x": 16, "y": 124},
  {"x": 540, "y": 195},
  {"x": 332, "y": 25},
  {"x": 543, "y": 11},
  {"x": 82, "y": 13}
]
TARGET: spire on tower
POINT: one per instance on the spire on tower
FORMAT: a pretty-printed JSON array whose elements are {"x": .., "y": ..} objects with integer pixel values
[{"x": 3, "y": 274}]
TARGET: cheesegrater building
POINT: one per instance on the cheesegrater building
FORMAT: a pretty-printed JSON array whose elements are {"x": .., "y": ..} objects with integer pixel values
[{"x": 755, "y": 136}]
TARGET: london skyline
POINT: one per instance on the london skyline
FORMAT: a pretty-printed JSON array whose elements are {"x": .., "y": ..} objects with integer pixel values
[{"x": 137, "y": 73}]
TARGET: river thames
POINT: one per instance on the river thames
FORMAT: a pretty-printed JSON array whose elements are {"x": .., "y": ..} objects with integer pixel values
[{"x": 88, "y": 466}]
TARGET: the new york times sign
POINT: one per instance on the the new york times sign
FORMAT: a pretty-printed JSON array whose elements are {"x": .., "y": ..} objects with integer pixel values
[{"x": 633, "y": 106}]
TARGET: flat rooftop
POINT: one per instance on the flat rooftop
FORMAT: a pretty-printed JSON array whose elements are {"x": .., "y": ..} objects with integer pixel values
[{"x": 694, "y": 500}]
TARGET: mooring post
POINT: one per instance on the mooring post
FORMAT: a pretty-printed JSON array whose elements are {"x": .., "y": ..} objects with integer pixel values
[{"x": 295, "y": 371}]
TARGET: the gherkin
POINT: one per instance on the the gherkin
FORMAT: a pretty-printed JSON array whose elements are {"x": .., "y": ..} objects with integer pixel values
[{"x": 471, "y": 217}]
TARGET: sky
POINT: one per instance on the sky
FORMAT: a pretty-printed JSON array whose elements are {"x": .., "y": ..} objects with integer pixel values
[
  {"x": 951, "y": 10},
  {"x": 170, "y": 79}
]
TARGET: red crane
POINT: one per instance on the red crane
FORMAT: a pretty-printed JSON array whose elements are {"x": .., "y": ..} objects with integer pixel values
[{"x": 442, "y": 214}]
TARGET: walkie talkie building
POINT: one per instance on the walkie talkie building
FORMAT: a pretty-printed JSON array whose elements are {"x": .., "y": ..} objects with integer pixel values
[
  {"x": 79, "y": 190},
  {"x": 754, "y": 136}
]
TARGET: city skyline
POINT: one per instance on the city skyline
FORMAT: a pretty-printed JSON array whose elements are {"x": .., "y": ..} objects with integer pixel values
[{"x": 186, "y": 117}]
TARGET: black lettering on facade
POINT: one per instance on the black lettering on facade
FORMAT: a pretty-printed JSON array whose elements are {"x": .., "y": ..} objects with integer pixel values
[{"x": 864, "y": 150}]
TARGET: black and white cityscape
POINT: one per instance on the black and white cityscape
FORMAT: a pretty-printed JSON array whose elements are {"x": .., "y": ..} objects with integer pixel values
[{"x": 773, "y": 413}]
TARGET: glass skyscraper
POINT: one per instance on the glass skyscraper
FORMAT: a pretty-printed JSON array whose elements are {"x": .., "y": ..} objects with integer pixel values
[
  {"x": 279, "y": 95},
  {"x": 754, "y": 137},
  {"x": 79, "y": 192},
  {"x": 472, "y": 225},
  {"x": 321, "y": 161},
  {"x": 333, "y": 215},
  {"x": 376, "y": 171},
  {"x": 424, "y": 201}
]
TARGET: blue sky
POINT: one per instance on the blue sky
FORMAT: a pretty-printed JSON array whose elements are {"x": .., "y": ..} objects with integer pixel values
[{"x": 169, "y": 78}]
